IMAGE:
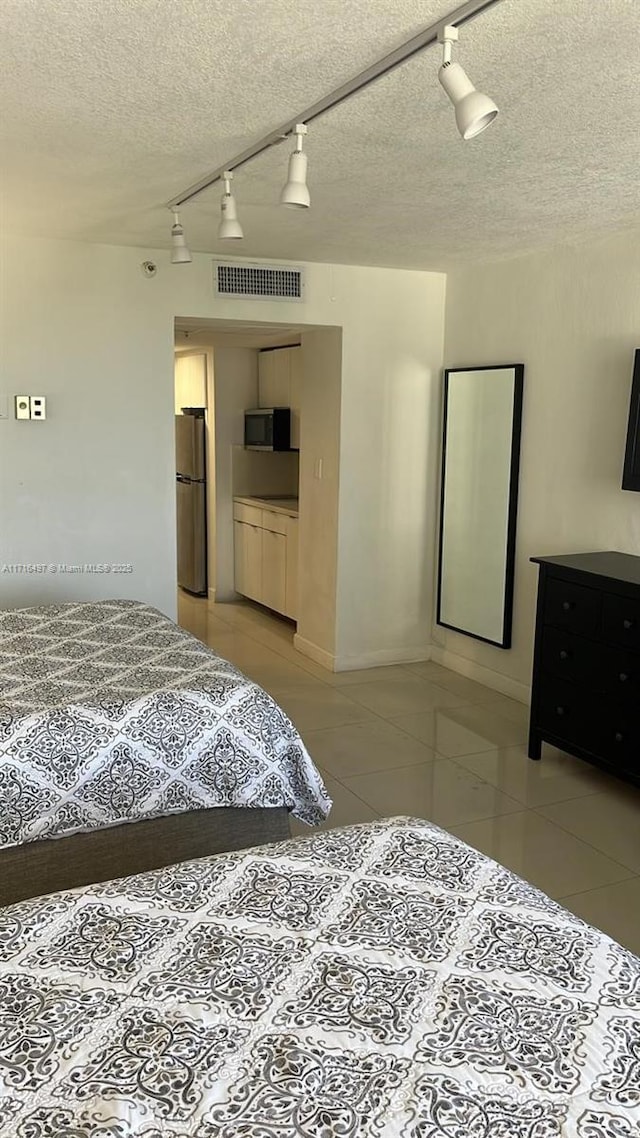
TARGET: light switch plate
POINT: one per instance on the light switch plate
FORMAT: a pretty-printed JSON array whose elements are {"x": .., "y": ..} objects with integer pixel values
[
  {"x": 38, "y": 406},
  {"x": 23, "y": 407}
]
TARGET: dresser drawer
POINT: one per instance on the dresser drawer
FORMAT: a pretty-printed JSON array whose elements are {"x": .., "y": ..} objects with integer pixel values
[
  {"x": 251, "y": 515},
  {"x": 619, "y": 674},
  {"x": 566, "y": 710},
  {"x": 573, "y": 607},
  {"x": 618, "y": 738},
  {"x": 621, "y": 620},
  {"x": 570, "y": 657},
  {"x": 274, "y": 521}
]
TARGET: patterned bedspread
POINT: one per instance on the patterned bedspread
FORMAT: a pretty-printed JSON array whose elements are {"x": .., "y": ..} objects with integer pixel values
[
  {"x": 382, "y": 981},
  {"x": 110, "y": 713}
]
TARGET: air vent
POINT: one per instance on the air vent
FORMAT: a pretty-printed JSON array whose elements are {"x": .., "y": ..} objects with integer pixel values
[{"x": 261, "y": 282}]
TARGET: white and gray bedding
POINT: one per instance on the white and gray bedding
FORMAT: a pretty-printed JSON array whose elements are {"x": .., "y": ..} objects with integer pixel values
[
  {"x": 382, "y": 981},
  {"x": 110, "y": 713}
]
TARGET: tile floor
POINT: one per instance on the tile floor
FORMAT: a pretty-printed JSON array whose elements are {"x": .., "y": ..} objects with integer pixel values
[{"x": 420, "y": 740}]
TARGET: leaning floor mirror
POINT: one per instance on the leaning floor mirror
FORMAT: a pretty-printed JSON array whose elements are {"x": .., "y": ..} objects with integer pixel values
[{"x": 479, "y": 493}]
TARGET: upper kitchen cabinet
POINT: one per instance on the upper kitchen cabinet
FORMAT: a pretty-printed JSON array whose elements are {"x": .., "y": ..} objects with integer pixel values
[
  {"x": 295, "y": 394},
  {"x": 273, "y": 379},
  {"x": 279, "y": 383}
]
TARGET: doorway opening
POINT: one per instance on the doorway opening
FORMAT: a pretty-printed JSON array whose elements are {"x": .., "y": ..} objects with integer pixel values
[{"x": 264, "y": 502}]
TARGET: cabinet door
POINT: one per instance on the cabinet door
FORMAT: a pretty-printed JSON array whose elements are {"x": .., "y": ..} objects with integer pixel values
[
  {"x": 274, "y": 560},
  {"x": 240, "y": 557},
  {"x": 295, "y": 394},
  {"x": 266, "y": 379},
  {"x": 273, "y": 378},
  {"x": 253, "y": 564},
  {"x": 247, "y": 551},
  {"x": 291, "y": 591}
]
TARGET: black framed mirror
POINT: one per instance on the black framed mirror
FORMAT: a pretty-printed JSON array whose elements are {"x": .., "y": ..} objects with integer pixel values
[
  {"x": 631, "y": 469},
  {"x": 478, "y": 500}
]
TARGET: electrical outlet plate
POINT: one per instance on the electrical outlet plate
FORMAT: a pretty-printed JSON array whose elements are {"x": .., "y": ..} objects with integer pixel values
[
  {"x": 23, "y": 407},
  {"x": 38, "y": 406}
]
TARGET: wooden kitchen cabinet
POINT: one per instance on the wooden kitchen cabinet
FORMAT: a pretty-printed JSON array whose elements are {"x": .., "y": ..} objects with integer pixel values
[
  {"x": 274, "y": 369},
  {"x": 295, "y": 394},
  {"x": 266, "y": 557},
  {"x": 274, "y": 562},
  {"x": 248, "y": 560},
  {"x": 291, "y": 582}
]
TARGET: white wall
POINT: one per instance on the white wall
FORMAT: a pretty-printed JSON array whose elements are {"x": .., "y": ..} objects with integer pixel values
[
  {"x": 80, "y": 324},
  {"x": 572, "y": 316},
  {"x": 235, "y": 373},
  {"x": 392, "y": 360},
  {"x": 320, "y": 399}
]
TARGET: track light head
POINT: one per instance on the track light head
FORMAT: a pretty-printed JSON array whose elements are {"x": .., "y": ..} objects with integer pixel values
[
  {"x": 229, "y": 228},
  {"x": 295, "y": 193},
  {"x": 180, "y": 254},
  {"x": 474, "y": 111}
]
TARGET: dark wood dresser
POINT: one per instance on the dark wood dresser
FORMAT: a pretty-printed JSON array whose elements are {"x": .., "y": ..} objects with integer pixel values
[{"x": 585, "y": 696}]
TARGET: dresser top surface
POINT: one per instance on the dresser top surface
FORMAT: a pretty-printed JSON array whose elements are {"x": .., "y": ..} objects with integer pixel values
[{"x": 609, "y": 563}]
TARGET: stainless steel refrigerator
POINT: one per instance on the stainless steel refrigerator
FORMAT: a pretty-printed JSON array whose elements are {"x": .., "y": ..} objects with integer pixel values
[{"x": 191, "y": 499}]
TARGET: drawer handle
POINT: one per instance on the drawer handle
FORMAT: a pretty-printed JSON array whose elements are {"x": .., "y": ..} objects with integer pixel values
[
  {"x": 623, "y": 677},
  {"x": 627, "y": 624},
  {"x": 567, "y": 605},
  {"x": 559, "y": 710},
  {"x": 619, "y": 737},
  {"x": 563, "y": 654}
]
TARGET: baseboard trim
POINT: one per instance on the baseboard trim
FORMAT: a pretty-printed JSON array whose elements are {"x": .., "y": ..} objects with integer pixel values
[
  {"x": 318, "y": 655},
  {"x": 379, "y": 659},
  {"x": 382, "y": 657},
  {"x": 504, "y": 685},
  {"x": 211, "y": 596}
]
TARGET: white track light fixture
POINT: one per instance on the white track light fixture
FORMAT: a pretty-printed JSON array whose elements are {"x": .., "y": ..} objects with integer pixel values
[
  {"x": 180, "y": 254},
  {"x": 474, "y": 111},
  {"x": 295, "y": 193},
  {"x": 230, "y": 227}
]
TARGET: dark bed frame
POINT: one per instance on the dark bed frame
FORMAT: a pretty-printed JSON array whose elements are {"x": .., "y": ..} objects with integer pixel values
[{"x": 36, "y": 868}]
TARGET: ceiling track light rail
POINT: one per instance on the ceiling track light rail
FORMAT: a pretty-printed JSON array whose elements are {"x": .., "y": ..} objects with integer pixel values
[
  {"x": 474, "y": 112},
  {"x": 383, "y": 66}
]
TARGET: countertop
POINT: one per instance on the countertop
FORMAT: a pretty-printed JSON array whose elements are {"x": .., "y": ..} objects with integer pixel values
[{"x": 283, "y": 505}]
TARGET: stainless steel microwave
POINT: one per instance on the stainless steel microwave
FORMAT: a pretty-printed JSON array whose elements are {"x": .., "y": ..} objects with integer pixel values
[{"x": 267, "y": 428}]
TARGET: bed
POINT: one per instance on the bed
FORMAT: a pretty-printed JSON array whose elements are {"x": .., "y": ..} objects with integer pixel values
[
  {"x": 126, "y": 743},
  {"x": 381, "y": 981}
]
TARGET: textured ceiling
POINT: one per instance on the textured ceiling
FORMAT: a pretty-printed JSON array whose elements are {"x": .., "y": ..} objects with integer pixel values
[{"x": 111, "y": 107}]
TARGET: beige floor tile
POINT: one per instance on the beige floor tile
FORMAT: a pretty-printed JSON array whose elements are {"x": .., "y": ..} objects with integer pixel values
[
  {"x": 279, "y": 675},
  {"x": 364, "y": 747},
  {"x": 469, "y": 690},
  {"x": 608, "y": 821},
  {"x": 243, "y": 651},
  {"x": 316, "y": 706},
  {"x": 347, "y": 810},
  {"x": 542, "y": 853},
  {"x": 509, "y": 709},
  {"x": 440, "y": 791},
  {"x": 614, "y": 908},
  {"x": 367, "y": 675},
  {"x": 402, "y": 694},
  {"x": 555, "y": 778},
  {"x": 466, "y": 730}
]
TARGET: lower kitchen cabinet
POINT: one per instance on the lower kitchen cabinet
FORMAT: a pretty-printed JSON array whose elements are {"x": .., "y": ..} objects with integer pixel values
[
  {"x": 248, "y": 560},
  {"x": 274, "y": 570},
  {"x": 266, "y": 558},
  {"x": 291, "y": 581}
]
